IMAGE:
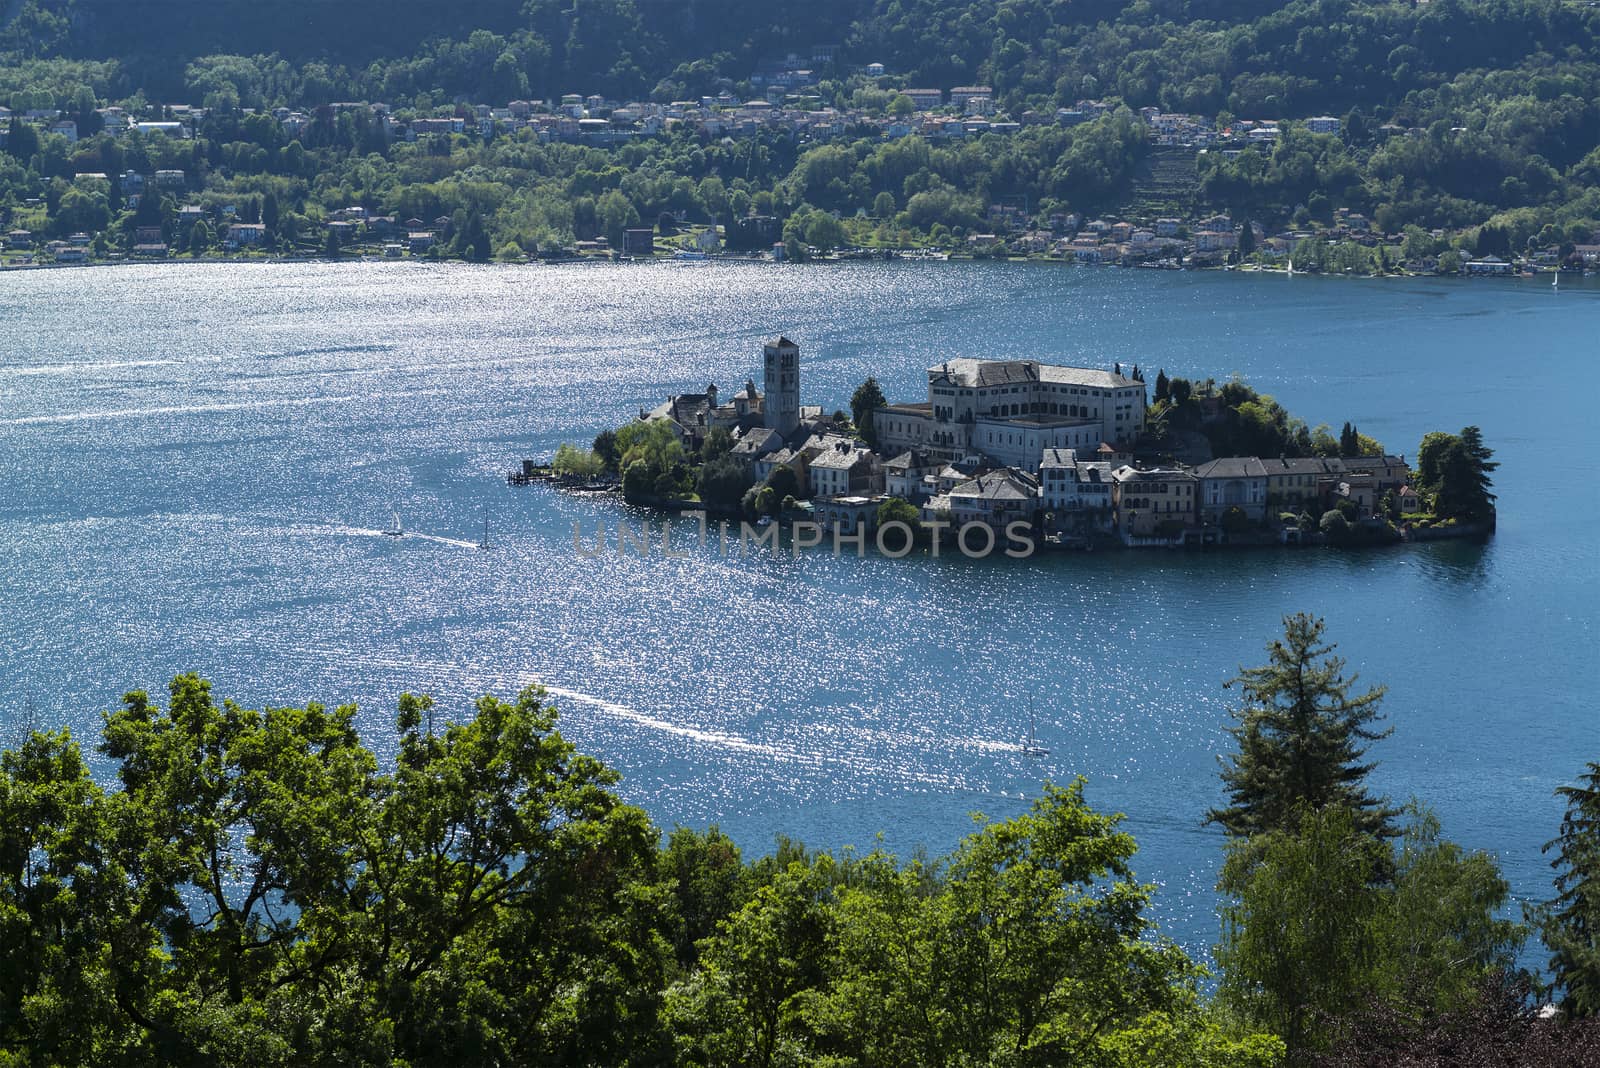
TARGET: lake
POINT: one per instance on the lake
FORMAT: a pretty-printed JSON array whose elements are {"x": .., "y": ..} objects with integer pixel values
[{"x": 197, "y": 462}]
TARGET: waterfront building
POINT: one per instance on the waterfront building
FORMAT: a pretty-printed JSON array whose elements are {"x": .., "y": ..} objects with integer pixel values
[
  {"x": 1301, "y": 480},
  {"x": 1232, "y": 482},
  {"x": 845, "y": 469},
  {"x": 1390, "y": 472},
  {"x": 1159, "y": 501},
  {"x": 903, "y": 475},
  {"x": 1073, "y": 489},
  {"x": 852, "y": 514},
  {"x": 1012, "y": 410},
  {"x": 996, "y": 498}
]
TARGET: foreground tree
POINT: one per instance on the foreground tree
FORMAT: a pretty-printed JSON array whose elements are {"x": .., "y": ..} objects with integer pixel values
[
  {"x": 1310, "y": 939},
  {"x": 1570, "y": 923},
  {"x": 1300, "y": 735}
]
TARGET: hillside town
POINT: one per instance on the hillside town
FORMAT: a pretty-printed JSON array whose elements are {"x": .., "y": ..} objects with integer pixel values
[
  {"x": 1154, "y": 231},
  {"x": 1061, "y": 449}
]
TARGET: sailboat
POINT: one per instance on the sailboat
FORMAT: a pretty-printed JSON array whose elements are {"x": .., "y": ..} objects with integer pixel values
[
  {"x": 1291, "y": 267},
  {"x": 484, "y": 544},
  {"x": 396, "y": 530},
  {"x": 1033, "y": 748},
  {"x": 1555, "y": 283}
]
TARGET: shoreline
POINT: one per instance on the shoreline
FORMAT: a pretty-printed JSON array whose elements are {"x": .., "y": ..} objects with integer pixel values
[
  {"x": 772, "y": 530},
  {"x": 898, "y": 256}
]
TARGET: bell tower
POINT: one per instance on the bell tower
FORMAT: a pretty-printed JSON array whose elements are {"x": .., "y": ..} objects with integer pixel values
[{"x": 781, "y": 377}]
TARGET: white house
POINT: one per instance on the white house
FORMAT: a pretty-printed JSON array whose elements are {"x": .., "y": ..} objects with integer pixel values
[{"x": 1071, "y": 487}]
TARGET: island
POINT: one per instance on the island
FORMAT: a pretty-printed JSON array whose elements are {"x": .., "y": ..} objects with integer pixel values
[{"x": 1014, "y": 455}]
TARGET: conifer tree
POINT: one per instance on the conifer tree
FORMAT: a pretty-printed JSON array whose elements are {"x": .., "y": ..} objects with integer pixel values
[
  {"x": 1463, "y": 488},
  {"x": 1300, "y": 736},
  {"x": 1570, "y": 923},
  {"x": 867, "y": 399},
  {"x": 1163, "y": 385}
]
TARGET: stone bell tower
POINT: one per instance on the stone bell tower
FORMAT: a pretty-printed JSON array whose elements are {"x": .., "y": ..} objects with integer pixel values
[{"x": 782, "y": 382}]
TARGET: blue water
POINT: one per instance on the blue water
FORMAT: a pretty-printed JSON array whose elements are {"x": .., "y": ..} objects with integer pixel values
[{"x": 196, "y": 463}]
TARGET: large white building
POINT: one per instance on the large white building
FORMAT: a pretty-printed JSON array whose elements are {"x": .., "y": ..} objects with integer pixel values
[{"x": 1012, "y": 410}]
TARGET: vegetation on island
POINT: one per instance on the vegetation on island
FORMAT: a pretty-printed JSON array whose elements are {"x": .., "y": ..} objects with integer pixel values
[
  {"x": 1467, "y": 126},
  {"x": 259, "y": 887}
]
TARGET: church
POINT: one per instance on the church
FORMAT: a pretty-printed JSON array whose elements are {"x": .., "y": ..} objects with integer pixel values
[{"x": 777, "y": 408}]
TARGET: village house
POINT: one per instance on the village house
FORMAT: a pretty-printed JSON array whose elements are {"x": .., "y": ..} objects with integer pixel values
[
  {"x": 1294, "y": 482},
  {"x": 1157, "y": 501},
  {"x": 1232, "y": 482},
  {"x": 903, "y": 475},
  {"x": 1071, "y": 488},
  {"x": 845, "y": 470},
  {"x": 243, "y": 234},
  {"x": 996, "y": 498},
  {"x": 1390, "y": 472}
]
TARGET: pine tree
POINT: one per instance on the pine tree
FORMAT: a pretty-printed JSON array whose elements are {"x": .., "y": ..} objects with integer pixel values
[
  {"x": 1163, "y": 385},
  {"x": 1300, "y": 733},
  {"x": 1570, "y": 924},
  {"x": 1463, "y": 490}
]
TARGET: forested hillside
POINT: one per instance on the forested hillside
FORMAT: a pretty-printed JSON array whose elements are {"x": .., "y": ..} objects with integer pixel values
[
  {"x": 1476, "y": 119},
  {"x": 1253, "y": 57}
]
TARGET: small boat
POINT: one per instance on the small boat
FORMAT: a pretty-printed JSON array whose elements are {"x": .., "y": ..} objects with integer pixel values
[
  {"x": 396, "y": 530},
  {"x": 689, "y": 254},
  {"x": 1033, "y": 748},
  {"x": 1555, "y": 283},
  {"x": 484, "y": 544}
]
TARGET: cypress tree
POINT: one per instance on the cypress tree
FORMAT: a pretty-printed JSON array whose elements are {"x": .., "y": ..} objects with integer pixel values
[
  {"x": 1300, "y": 735},
  {"x": 1163, "y": 386}
]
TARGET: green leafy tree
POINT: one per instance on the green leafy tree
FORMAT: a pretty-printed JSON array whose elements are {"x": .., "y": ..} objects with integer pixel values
[
  {"x": 784, "y": 482},
  {"x": 721, "y": 483},
  {"x": 824, "y": 232},
  {"x": 574, "y": 462},
  {"x": 1300, "y": 736},
  {"x": 1310, "y": 939},
  {"x": 717, "y": 443},
  {"x": 1430, "y": 458},
  {"x": 1298, "y": 939}
]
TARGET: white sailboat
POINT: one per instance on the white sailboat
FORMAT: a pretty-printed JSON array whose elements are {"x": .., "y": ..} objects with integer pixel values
[
  {"x": 1555, "y": 283},
  {"x": 396, "y": 530},
  {"x": 1291, "y": 267},
  {"x": 1033, "y": 748}
]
